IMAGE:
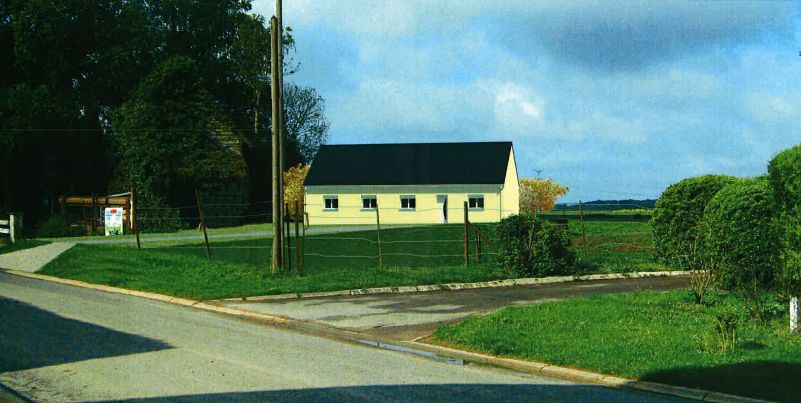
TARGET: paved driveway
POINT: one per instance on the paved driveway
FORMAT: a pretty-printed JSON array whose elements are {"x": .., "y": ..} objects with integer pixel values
[{"x": 415, "y": 315}]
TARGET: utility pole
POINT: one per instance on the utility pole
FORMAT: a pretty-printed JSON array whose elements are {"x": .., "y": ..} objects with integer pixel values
[{"x": 276, "y": 70}]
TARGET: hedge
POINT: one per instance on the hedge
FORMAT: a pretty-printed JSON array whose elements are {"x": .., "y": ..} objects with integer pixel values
[
  {"x": 532, "y": 247},
  {"x": 678, "y": 213},
  {"x": 741, "y": 235},
  {"x": 784, "y": 172}
]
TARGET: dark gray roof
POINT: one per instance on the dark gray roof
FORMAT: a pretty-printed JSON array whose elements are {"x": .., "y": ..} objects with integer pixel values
[{"x": 410, "y": 164}]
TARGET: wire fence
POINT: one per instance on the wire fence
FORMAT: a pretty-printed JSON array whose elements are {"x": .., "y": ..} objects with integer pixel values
[{"x": 367, "y": 242}]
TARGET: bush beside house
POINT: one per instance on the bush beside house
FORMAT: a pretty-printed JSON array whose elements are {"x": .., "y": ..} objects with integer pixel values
[{"x": 533, "y": 247}]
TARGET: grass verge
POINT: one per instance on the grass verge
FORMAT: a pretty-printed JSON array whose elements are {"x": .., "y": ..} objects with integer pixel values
[
  {"x": 336, "y": 261},
  {"x": 651, "y": 336}
]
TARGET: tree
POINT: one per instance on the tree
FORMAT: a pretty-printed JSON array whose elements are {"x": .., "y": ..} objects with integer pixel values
[
  {"x": 307, "y": 127},
  {"x": 538, "y": 195},
  {"x": 172, "y": 131},
  {"x": 293, "y": 185}
]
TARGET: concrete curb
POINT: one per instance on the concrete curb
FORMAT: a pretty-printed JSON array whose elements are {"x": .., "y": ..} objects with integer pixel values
[
  {"x": 359, "y": 338},
  {"x": 460, "y": 286}
]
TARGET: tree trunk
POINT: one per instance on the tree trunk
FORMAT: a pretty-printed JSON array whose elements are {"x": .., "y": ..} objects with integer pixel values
[{"x": 794, "y": 315}]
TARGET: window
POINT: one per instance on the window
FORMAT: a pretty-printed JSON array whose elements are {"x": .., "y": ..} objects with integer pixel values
[
  {"x": 369, "y": 202},
  {"x": 475, "y": 202},
  {"x": 331, "y": 202},
  {"x": 408, "y": 202}
]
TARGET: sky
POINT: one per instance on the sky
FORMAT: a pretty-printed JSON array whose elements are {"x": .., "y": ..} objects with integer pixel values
[{"x": 614, "y": 99}]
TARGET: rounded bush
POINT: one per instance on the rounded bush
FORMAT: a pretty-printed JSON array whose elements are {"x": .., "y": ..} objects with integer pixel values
[
  {"x": 532, "y": 247},
  {"x": 678, "y": 213},
  {"x": 784, "y": 171},
  {"x": 740, "y": 234}
]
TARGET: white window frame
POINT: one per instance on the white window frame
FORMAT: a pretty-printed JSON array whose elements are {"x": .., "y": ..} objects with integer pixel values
[
  {"x": 366, "y": 197},
  {"x": 408, "y": 197},
  {"x": 325, "y": 202},
  {"x": 477, "y": 197}
]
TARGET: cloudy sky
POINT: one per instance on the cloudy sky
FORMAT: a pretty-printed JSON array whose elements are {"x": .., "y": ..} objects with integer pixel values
[{"x": 615, "y": 99}]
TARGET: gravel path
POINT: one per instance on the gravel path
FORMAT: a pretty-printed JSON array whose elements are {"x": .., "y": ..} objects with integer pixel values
[{"x": 33, "y": 259}]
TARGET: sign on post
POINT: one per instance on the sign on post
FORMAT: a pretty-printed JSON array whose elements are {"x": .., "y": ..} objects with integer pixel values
[{"x": 113, "y": 221}]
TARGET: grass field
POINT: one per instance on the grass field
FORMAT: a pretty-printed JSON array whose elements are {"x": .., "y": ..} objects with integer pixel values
[
  {"x": 660, "y": 337},
  {"x": 332, "y": 262},
  {"x": 409, "y": 256}
]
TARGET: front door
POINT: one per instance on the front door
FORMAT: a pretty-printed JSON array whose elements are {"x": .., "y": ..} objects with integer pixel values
[{"x": 442, "y": 203}]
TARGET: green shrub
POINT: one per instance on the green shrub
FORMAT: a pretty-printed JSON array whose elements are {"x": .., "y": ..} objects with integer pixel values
[
  {"x": 155, "y": 217},
  {"x": 677, "y": 215},
  {"x": 57, "y": 226},
  {"x": 740, "y": 233},
  {"x": 532, "y": 247},
  {"x": 785, "y": 178}
]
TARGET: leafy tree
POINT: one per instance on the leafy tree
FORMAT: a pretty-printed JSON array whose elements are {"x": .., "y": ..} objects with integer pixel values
[
  {"x": 173, "y": 131},
  {"x": 538, "y": 195},
  {"x": 293, "y": 185},
  {"x": 306, "y": 125}
]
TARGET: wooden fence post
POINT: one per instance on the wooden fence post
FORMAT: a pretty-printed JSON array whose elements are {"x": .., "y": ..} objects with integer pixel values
[
  {"x": 297, "y": 230},
  {"x": 466, "y": 238},
  {"x": 583, "y": 230},
  {"x": 135, "y": 217},
  {"x": 12, "y": 224},
  {"x": 288, "y": 240},
  {"x": 378, "y": 235},
  {"x": 303, "y": 243},
  {"x": 203, "y": 223}
]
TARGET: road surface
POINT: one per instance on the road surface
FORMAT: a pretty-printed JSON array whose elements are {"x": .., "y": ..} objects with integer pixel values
[
  {"x": 415, "y": 315},
  {"x": 61, "y": 343}
]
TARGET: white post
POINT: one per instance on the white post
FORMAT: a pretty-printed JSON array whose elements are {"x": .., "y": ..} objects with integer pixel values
[
  {"x": 12, "y": 227},
  {"x": 793, "y": 315}
]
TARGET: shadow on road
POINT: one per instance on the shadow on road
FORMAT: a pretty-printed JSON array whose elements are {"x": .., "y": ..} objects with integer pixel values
[
  {"x": 771, "y": 380},
  {"x": 31, "y": 338},
  {"x": 428, "y": 393}
]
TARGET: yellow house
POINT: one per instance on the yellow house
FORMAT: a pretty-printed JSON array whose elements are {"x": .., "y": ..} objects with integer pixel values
[{"x": 423, "y": 183}]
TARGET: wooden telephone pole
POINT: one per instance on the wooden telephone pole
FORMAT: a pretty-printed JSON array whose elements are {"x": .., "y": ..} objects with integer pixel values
[{"x": 276, "y": 85}]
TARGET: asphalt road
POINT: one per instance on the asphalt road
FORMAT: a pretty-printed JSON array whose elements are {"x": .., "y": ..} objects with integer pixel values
[
  {"x": 60, "y": 343},
  {"x": 416, "y": 315}
]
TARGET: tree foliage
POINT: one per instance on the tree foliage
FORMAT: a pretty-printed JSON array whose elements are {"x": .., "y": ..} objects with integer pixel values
[
  {"x": 532, "y": 247},
  {"x": 784, "y": 172},
  {"x": 538, "y": 195},
  {"x": 678, "y": 215},
  {"x": 74, "y": 74},
  {"x": 171, "y": 130},
  {"x": 741, "y": 233},
  {"x": 293, "y": 185},
  {"x": 306, "y": 126}
]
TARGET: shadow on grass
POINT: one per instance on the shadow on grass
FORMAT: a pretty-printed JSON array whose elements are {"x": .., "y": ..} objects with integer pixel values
[
  {"x": 428, "y": 393},
  {"x": 31, "y": 338},
  {"x": 771, "y": 380}
]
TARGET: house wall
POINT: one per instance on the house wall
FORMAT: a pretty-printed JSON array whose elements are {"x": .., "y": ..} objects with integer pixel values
[
  {"x": 388, "y": 197},
  {"x": 510, "y": 195}
]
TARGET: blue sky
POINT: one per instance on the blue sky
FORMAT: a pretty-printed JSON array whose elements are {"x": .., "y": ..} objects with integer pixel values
[{"x": 615, "y": 99}]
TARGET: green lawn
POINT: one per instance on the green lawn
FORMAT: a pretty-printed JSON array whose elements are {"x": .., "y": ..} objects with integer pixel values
[
  {"x": 333, "y": 262},
  {"x": 7, "y": 247},
  {"x": 614, "y": 246},
  {"x": 345, "y": 260},
  {"x": 659, "y": 337},
  {"x": 184, "y": 232}
]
